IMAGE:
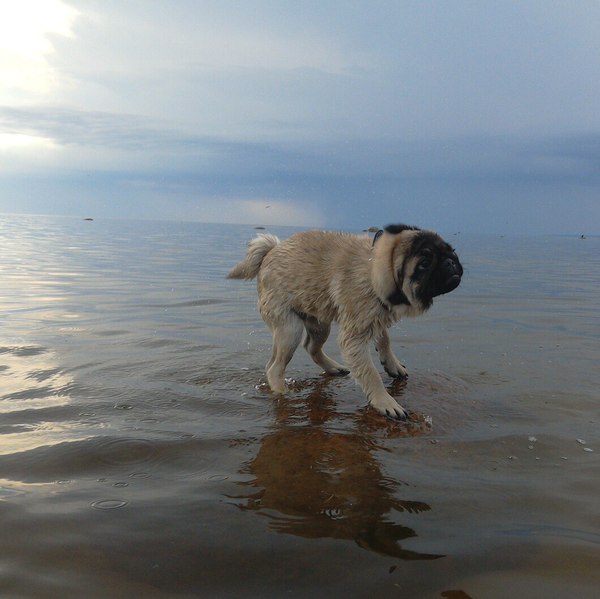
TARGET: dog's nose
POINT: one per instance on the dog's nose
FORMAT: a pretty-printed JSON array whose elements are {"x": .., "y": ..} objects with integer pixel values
[
  {"x": 452, "y": 273},
  {"x": 449, "y": 267}
]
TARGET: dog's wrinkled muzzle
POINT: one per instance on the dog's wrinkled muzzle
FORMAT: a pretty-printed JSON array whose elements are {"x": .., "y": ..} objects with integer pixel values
[
  {"x": 452, "y": 283},
  {"x": 451, "y": 274}
]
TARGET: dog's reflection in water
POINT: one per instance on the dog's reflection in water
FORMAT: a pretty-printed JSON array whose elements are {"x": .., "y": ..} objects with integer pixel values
[{"x": 317, "y": 476}]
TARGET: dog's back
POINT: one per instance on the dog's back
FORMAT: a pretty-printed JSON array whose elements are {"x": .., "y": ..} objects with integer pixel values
[
  {"x": 313, "y": 250},
  {"x": 306, "y": 272},
  {"x": 310, "y": 273}
]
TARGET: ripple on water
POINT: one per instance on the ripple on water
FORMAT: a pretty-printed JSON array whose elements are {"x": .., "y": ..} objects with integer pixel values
[
  {"x": 127, "y": 452},
  {"x": 74, "y": 459},
  {"x": 6, "y": 492},
  {"x": 23, "y": 350},
  {"x": 109, "y": 504},
  {"x": 106, "y": 456}
]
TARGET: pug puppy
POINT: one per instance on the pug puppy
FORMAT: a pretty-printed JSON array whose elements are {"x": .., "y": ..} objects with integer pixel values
[{"x": 315, "y": 278}]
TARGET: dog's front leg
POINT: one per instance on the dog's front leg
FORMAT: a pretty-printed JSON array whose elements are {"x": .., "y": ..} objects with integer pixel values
[
  {"x": 355, "y": 349},
  {"x": 388, "y": 360}
]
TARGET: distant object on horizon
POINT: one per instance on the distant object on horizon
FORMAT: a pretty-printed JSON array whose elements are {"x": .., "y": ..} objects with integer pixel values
[
  {"x": 88, "y": 218},
  {"x": 583, "y": 237}
]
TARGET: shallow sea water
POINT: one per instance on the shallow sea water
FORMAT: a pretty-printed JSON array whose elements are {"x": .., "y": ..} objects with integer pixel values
[{"x": 142, "y": 456}]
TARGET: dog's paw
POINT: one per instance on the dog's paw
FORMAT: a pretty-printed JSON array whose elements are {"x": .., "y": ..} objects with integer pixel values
[
  {"x": 395, "y": 369},
  {"x": 386, "y": 405},
  {"x": 341, "y": 371}
]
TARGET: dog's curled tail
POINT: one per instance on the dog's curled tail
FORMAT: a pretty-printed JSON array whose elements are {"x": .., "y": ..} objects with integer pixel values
[{"x": 258, "y": 248}]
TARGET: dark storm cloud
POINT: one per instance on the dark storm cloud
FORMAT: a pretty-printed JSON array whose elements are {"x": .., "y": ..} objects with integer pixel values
[
  {"x": 93, "y": 128},
  {"x": 382, "y": 177},
  {"x": 551, "y": 157}
]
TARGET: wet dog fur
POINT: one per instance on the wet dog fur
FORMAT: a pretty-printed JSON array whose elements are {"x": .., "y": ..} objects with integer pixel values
[{"x": 314, "y": 278}]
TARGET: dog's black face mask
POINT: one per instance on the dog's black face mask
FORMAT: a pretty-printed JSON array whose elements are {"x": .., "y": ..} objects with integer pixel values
[{"x": 437, "y": 270}]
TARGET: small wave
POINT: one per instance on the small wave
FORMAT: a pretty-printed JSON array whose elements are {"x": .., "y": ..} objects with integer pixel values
[
  {"x": 23, "y": 350},
  {"x": 186, "y": 304},
  {"x": 556, "y": 531},
  {"x": 103, "y": 456}
]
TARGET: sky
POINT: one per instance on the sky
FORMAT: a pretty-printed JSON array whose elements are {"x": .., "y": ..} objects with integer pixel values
[{"x": 454, "y": 115}]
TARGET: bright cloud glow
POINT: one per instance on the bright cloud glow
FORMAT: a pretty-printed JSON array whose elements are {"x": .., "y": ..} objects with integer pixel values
[
  {"x": 19, "y": 140},
  {"x": 25, "y": 30}
]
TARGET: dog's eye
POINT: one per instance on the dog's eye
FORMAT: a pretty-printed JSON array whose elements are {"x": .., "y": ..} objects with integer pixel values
[{"x": 425, "y": 263}]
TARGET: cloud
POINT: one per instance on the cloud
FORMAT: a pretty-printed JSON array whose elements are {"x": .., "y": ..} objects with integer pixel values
[
  {"x": 349, "y": 114},
  {"x": 545, "y": 158},
  {"x": 68, "y": 139},
  {"x": 26, "y": 31},
  {"x": 66, "y": 127},
  {"x": 218, "y": 36}
]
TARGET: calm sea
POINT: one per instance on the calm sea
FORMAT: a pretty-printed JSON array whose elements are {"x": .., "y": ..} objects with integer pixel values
[{"x": 142, "y": 456}]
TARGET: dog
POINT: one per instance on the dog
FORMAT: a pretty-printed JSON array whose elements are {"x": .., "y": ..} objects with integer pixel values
[{"x": 314, "y": 278}]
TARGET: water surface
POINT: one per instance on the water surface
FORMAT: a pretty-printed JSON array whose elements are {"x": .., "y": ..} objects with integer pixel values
[{"x": 142, "y": 456}]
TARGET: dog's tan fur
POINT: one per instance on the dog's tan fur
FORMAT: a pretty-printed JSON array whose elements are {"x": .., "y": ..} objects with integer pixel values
[{"x": 315, "y": 278}]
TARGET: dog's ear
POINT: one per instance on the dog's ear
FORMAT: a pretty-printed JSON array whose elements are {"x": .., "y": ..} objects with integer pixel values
[
  {"x": 396, "y": 229},
  {"x": 389, "y": 248}
]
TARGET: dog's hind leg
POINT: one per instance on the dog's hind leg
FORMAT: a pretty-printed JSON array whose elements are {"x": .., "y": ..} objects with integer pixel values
[
  {"x": 388, "y": 360},
  {"x": 286, "y": 338},
  {"x": 316, "y": 334}
]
